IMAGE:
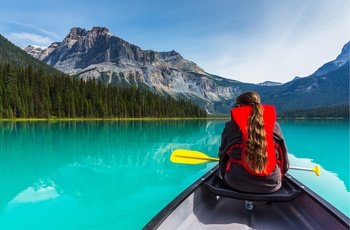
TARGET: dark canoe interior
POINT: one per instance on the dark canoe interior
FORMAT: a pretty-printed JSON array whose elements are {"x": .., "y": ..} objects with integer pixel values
[{"x": 208, "y": 204}]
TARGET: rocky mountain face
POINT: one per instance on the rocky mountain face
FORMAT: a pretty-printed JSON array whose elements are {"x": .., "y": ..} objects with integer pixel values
[
  {"x": 102, "y": 56},
  {"x": 98, "y": 54}
]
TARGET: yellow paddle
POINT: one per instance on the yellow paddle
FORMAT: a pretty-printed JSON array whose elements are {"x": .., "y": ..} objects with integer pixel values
[
  {"x": 185, "y": 156},
  {"x": 315, "y": 169}
]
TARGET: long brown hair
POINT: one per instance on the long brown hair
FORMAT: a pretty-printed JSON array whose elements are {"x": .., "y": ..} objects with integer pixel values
[{"x": 255, "y": 152}]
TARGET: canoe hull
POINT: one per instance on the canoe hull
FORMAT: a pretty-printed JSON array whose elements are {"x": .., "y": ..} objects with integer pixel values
[{"x": 198, "y": 208}]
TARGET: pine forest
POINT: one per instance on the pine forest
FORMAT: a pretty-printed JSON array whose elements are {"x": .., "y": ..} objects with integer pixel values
[{"x": 32, "y": 93}]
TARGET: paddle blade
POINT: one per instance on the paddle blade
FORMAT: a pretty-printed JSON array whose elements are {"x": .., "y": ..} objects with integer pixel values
[
  {"x": 184, "y": 156},
  {"x": 316, "y": 170}
]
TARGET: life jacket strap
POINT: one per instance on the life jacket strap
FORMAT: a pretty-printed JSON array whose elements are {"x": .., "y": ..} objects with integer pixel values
[
  {"x": 232, "y": 161},
  {"x": 234, "y": 146},
  {"x": 279, "y": 160}
]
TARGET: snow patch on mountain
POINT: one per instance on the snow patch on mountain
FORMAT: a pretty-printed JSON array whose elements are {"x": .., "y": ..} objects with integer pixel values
[{"x": 342, "y": 59}]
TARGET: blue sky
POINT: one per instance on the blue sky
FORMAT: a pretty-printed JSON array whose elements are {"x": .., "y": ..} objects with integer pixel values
[{"x": 246, "y": 40}]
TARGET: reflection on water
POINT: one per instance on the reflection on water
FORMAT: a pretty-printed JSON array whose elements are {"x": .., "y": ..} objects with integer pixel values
[
  {"x": 95, "y": 164},
  {"x": 328, "y": 185},
  {"x": 106, "y": 174},
  {"x": 324, "y": 141}
]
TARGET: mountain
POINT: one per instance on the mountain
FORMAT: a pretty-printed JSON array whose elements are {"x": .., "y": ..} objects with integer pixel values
[
  {"x": 342, "y": 59},
  {"x": 270, "y": 83},
  {"x": 328, "y": 86},
  {"x": 14, "y": 56},
  {"x": 35, "y": 51},
  {"x": 327, "y": 90},
  {"x": 29, "y": 88},
  {"x": 99, "y": 55}
]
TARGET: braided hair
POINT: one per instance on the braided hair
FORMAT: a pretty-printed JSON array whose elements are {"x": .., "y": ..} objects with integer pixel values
[{"x": 255, "y": 152}]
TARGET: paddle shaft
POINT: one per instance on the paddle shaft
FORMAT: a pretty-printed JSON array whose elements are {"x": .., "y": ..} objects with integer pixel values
[
  {"x": 300, "y": 168},
  {"x": 180, "y": 156},
  {"x": 198, "y": 158},
  {"x": 316, "y": 169}
]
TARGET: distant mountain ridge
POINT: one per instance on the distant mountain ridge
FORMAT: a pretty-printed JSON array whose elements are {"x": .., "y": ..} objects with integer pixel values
[
  {"x": 100, "y": 55},
  {"x": 341, "y": 60},
  {"x": 270, "y": 83}
]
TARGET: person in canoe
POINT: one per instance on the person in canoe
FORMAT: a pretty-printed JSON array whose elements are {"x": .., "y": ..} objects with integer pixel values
[{"x": 253, "y": 154}]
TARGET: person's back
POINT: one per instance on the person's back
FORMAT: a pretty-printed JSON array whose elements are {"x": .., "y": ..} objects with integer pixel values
[{"x": 253, "y": 154}]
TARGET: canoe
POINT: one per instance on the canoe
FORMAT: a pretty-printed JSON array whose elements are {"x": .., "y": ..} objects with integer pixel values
[{"x": 210, "y": 204}]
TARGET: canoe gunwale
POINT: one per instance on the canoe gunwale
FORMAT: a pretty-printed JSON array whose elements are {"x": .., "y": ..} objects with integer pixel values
[
  {"x": 159, "y": 218},
  {"x": 306, "y": 193},
  {"x": 336, "y": 213}
]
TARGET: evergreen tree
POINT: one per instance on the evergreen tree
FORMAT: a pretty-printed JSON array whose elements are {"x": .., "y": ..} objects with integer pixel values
[{"x": 31, "y": 93}]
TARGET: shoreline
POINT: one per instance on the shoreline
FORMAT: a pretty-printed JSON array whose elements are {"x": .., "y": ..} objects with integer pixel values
[
  {"x": 94, "y": 119},
  {"x": 155, "y": 118}
]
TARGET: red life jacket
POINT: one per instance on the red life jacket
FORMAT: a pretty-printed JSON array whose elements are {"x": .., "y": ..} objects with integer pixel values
[{"x": 241, "y": 115}]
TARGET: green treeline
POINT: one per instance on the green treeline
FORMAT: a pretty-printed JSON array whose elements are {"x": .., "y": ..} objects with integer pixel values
[
  {"x": 15, "y": 56},
  {"x": 31, "y": 93},
  {"x": 341, "y": 111}
]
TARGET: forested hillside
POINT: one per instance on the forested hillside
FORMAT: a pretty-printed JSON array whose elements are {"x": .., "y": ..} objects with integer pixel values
[
  {"x": 324, "y": 112},
  {"x": 30, "y": 88},
  {"x": 29, "y": 93},
  {"x": 13, "y": 55}
]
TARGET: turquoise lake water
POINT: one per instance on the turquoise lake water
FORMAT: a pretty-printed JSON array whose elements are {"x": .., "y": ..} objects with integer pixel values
[{"x": 117, "y": 174}]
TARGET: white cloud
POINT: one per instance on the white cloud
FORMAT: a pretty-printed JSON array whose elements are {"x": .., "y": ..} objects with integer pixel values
[
  {"x": 280, "y": 45},
  {"x": 23, "y": 39},
  {"x": 267, "y": 40}
]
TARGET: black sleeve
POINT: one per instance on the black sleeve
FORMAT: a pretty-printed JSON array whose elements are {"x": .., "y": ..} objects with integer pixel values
[
  {"x": 230, "y": 135},
  {"x": 223, "y": 157},
  {"x": 279, "y": 139}
]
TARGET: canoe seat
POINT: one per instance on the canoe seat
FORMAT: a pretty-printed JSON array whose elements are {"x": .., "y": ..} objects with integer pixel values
[{"x": 287, "y": 192}]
